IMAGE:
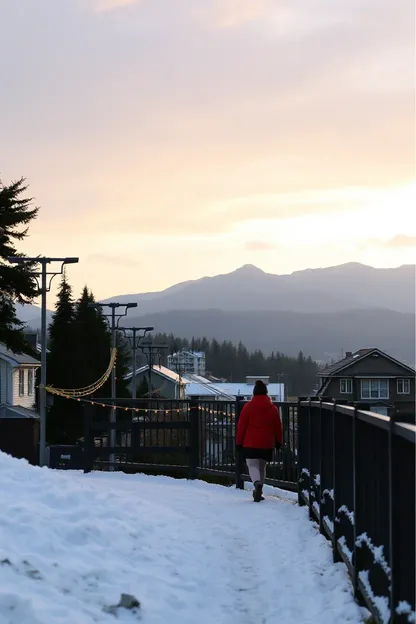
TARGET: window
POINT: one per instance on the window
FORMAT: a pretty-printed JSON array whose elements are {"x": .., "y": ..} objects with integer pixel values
[
  {"x": 403, "y": 386},
  {"x": 21, "y": 381},
  {"x": 374, "y": 388},
  {"x": 30, "y": 380},
  {"x": 345, "y": 386}
]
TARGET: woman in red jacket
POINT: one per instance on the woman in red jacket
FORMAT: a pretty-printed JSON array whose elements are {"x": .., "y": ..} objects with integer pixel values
[{"x": 259, "y": 431}]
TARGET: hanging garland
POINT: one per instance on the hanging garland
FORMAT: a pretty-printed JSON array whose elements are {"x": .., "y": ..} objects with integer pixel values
[{"x": 74, "y": 393}]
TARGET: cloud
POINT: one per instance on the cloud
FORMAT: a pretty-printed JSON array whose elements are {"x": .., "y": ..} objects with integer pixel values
[
  {"x": 400, "y": 241},
  {"x": 104, "y": 6},
  {"x": 234, "y": 13},
  {"x": 258, "y": 245}
]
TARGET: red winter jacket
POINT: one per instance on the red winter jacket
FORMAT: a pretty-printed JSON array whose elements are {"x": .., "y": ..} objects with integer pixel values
[{"x": 259, "y": 425}]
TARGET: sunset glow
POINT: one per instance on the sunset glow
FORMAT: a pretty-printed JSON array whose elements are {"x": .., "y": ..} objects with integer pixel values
[{"x": 169, "y": 139}]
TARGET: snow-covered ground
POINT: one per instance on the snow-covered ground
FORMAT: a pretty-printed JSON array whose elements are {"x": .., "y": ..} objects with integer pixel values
[{"x": 190, "y": 552}]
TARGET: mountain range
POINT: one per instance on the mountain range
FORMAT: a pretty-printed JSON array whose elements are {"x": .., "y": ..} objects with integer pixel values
[{"x": 321, "y": 311}]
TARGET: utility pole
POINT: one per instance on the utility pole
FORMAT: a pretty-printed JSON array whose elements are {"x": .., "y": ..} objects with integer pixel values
[
  {"x": 134, "y": 344},
  {"x": 44, "y": 287},
  {"x": 115, "y": 320},
  {"x": 151, "y": 349},
  {"x": 179, "y": 372}
]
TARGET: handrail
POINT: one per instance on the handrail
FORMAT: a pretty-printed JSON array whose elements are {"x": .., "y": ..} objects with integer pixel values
[{"x": 405, "y": 430}]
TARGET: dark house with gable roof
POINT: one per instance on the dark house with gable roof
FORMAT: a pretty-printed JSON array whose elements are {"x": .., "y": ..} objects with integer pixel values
[{"x": 371, "y": 376}]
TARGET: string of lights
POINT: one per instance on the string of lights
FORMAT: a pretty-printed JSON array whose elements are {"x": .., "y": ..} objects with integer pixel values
[
  {"x": 80, "y": 394},
  {"x": 74, "y": 393},
  {"x": 147, "y": 410}
]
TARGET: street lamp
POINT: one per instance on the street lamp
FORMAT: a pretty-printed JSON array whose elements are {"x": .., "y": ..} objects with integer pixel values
[
  {"x": 46, "y": 278},
  {"x": 115, "y": 319},
  {"x": 134, "y": 344},
  {"x": 151, "y": 348}
]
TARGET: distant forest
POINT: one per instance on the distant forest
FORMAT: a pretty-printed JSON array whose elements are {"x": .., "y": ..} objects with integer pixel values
[{"x": 233, "y": 363}]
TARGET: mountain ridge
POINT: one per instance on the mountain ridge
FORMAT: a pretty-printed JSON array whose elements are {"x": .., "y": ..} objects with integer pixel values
[
  {"x": 334, "y": 288},
  {"x": 235, "y": 305}
]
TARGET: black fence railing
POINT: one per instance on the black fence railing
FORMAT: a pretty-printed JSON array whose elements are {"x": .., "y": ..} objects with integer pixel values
[
  {"x": 191, "y": 438},
  {"x": 357, "y": 476}
]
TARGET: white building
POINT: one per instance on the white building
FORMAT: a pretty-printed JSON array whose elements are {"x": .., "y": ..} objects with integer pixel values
[
  {"x": 17, "y": 383},
  {"x": 276, "y": 391},
  {"x": 228, "y": 391},
  {"x": 187, "y": 362}
]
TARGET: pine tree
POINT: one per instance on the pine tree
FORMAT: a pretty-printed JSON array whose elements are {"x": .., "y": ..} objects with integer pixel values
[
  {"x": 61, "y": 338},
  {"x": 122, "y": 366},
  {"x": 16, "y": 283},
  {"x": 65, "y": 416},
  {"x": 93, "y": 342}
]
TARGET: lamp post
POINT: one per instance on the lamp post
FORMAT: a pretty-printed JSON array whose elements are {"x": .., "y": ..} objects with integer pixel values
[
  {"x": 134, "y": 345},
  {"x": 115, "y": 320},
  {"x": 46, "y": 278},
  {"x": 151, "y": 348}
]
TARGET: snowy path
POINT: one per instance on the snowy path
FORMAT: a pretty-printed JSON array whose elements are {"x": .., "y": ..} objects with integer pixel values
[{"x": 70, "y": 544}]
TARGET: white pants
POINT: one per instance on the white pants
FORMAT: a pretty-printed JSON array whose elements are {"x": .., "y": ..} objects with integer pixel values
[{"x": 257, "y": 469}]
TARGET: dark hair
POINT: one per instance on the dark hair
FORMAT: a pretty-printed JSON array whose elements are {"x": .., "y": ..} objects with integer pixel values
[{"x": 259, "y": 387}]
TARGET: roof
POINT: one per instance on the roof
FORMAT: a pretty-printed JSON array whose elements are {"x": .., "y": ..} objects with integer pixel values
[
  {"x": 198, "y": 354},
  {"x": 198, "y": 378},
  {"x": 244, "y": 389},
  {"x": 334, "y": 369},
  {"x": 16, "y": 411},
  {"x": 202, "y": 390},
  {"x": 160, "y": 370},
  {"x": 17, "y": 359}
]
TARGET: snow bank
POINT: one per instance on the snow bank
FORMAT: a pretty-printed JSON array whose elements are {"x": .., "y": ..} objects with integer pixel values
[{"x": 70, "y": 544}]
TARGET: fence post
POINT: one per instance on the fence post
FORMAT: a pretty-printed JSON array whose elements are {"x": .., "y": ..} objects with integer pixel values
[
  {"x": 321, "y": 463},
  {"x": 391, "y": 494},
  {"x": 336, "y": 536},
  {"x": 88, "y": 438},
  {"x": 357, "y": 498},
  {"x": 312, "y": 400},
  {"x": 239, "y": 459},
  {"x": 303, "y": 445},
  {"x": 194, "y": 435}
]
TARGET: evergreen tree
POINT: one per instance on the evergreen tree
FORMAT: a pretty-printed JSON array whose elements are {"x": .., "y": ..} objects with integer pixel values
[
  {"x": 65, "y": 416},
  {"x": 16, "y": 283},
  {"x": 235, "y": 362},
  {"x": 93, "y": 340},
  {"x": 123, "y": 365},
  {"x": 61, "y": 339}
]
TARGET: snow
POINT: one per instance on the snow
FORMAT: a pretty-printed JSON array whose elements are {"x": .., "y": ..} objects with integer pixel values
[{"x": 71, "y": 544}]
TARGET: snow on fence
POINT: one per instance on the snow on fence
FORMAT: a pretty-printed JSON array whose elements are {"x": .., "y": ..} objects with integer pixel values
[{"x": 357, "y": 475}]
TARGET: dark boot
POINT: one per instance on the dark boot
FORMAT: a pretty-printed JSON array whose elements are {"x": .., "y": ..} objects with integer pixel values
[
  {"x": 254, "y": 491},
  {"x": 258, "y": 492}
]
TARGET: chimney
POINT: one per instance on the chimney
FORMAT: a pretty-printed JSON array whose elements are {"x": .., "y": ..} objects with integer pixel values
[{"x": 348, "y": 354}]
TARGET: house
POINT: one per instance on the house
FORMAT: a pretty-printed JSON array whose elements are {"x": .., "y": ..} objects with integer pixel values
[
  {"x": 19, "y": 421},
  {"x": 17, "y": 383},
  {"x": 165, "y": 382},
  {"x": 372, "y": 377},
  {"x": 187, "y": 362}
]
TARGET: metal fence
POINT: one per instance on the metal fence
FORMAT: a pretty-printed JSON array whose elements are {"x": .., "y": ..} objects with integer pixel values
[
  {"x": 189, "y": 438},
  {"x": 357, "y": 475}
]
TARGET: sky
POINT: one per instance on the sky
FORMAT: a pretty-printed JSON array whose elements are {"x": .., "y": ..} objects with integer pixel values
[{"x": 165, "y": 140}]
